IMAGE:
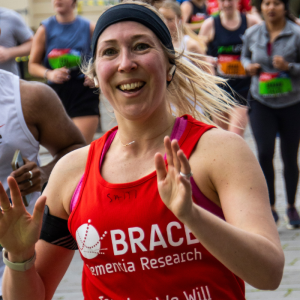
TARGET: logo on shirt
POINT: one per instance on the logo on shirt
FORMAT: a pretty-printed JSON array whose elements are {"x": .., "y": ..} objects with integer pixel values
[{"x": 89, "y": 241}]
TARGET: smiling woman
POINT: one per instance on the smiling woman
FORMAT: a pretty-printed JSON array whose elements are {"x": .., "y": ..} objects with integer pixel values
[{"x": 164, "y": 206}]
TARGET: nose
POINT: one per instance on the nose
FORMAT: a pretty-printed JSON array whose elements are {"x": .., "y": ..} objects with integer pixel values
[{"x": 127, "y": 63}]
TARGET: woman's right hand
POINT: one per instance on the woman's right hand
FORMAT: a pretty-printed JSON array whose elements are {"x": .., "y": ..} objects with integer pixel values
[
  {"x": 253, "y": 69},
  {"x": 19, "y": 231},
  {"x": 58, "y": 75}
]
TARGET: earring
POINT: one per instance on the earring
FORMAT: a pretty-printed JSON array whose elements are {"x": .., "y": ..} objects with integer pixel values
[
  {"x": 96, "y": 82},
  {"x": 171, "y": 72}
]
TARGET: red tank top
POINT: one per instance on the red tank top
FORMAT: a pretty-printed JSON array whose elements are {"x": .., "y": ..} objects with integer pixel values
[{"x": 132, "y": 245}]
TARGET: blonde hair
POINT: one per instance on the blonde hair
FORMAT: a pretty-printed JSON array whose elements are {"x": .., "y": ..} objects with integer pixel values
[
  {"x": 191, "y": 85},
  {"x": 169, "y": 4}
]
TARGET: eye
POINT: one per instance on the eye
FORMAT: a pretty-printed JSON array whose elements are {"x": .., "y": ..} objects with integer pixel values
[
  {"x": 142, "y": 47},
  {"x": 109, "y": 52}
]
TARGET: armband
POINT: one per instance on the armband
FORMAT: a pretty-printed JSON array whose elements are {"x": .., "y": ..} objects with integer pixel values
[{"x": 55, "y": 231}]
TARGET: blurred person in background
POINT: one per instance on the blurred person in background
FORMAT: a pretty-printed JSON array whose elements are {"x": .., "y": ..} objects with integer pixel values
[
  {"x": 224, "y": 41},
  {"x": 271, "y": 55},
  {"x": 60, "y": 44},
  {"x": 194, "y": 12},
  {"x": 15, "y": 39},
  {"x": 293, "y": 5},
  {"x": 183, "y": 37}
]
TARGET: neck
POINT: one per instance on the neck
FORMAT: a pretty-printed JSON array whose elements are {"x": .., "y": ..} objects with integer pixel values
[
  {"x": 147, "y": 134},
  {"x": 67, "y": 17},
  {"x": 234, "y": 15},
  {"x": 276, "y": 25}
]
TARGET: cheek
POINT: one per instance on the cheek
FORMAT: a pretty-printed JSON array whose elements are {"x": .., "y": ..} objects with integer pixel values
[{"x": 104, "y": 72}]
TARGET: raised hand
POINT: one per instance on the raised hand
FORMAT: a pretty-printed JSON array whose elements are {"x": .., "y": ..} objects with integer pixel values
[
  {"x": 174, "y": 189},
  {"x": 19, "y": 231}
]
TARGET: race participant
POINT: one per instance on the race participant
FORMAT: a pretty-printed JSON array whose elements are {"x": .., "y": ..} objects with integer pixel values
[
  {"x": 194, "y": 12},
  {"x": 31, "y": 115},
  {"x": 60, "y": 44},
  {"x": 224, "y": 34},
  {"x": 293, "y": 5},
  {"x": 244, "y": 6},
  {"x": 15, "y": 39},
  {"x": 182, "y": 37},
  {"x": 271, "y": 55},
  {"x": 132, "y": 217}
]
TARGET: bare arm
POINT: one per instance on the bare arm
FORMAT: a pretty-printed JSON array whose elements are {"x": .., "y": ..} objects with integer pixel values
[
  {"x": 13, "y": 52},
  {"x": 208, "y": 30},
  {"x": 37, "y": 53},
  {"x": 35, "y": 66},
  {"x": 248, "y": 242},
  {"x": 47, "y": 120},
  {"x": 40, "y": 281}
]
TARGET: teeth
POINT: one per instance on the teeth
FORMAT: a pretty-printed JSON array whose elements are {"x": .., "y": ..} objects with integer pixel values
[{"x": 131, "y": 86}]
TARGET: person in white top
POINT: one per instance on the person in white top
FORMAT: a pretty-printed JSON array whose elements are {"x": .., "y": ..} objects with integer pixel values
[{"x": 31, "y": 114}]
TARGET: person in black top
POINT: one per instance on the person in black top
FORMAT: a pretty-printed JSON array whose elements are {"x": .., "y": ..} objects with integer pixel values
[
  {"x": 224, "y": 39},
  {"x": 194, "y": 12}
]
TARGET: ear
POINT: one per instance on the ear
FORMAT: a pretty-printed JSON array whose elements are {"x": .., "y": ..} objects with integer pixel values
[
  {"x": 96, "y": 82},
  {"x": 171, "y": 73}
]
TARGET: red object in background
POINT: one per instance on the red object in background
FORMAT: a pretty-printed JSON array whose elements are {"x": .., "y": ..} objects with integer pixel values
[{"x": 213, "y": 7}]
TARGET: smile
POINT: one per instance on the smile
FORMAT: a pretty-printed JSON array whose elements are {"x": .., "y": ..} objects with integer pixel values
[{"x": 135, "y": 86}]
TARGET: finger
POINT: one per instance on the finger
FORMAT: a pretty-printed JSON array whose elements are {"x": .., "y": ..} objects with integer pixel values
[
  {"x": 160, "y": 167},
  {"x": 30, "y": 186},
  {"x": 4, "y": 201},
  {"x": 14, "y": 192},
  {"x": 38, "y": 211},
  {"x": 175, "y": 148},
  {"x": 30, "y": 175},
  {"x": 23, "y": 170},
  {"x": 168, "y": 148},
  {"x": 185, "y": 165}
]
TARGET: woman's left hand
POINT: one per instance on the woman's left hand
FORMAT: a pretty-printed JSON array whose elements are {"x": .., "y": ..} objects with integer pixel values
[
  {"x": 280, "y": 63},
  {"x": 174, "y": 189}
]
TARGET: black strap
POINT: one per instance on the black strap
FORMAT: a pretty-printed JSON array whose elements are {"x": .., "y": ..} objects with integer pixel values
[{"x": 55, "y": 231}]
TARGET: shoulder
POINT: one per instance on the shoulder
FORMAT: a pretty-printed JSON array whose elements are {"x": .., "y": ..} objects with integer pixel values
[
  {"x": 39, "y": 101},
  {"x": 253, "y": 31},
  {"x": 10, "y": 14},
  {"x": 207, "y": 26},
  {"x": 251, "y": 20},
  {"x": 209, "y": 22},
  {"x": 222, "y": 148},
  {"x": 186, "y": 5},
  {"x": 63, "y": 180},
  {"x": 294, "y": 27},
  {"x": 48, "y": 21},
  {"x": 37, "y": 94},
  {"x": 83, "y": 21}
]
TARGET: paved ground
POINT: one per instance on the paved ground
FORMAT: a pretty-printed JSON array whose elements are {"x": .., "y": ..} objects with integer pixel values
[{"x": 70, "y": 287}]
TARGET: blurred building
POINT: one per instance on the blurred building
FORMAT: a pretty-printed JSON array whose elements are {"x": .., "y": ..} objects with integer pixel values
[{"x": 34, "y": 11}]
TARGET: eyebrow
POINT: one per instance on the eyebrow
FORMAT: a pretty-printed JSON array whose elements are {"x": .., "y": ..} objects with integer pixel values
[{"x": 133, "y": 38}]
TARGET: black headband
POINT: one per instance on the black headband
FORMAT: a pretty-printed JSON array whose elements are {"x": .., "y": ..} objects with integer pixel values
[{"x": 136, "y": 13}]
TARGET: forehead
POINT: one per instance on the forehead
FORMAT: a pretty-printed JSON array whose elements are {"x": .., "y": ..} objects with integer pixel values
[{"x": 127, "y": 30}]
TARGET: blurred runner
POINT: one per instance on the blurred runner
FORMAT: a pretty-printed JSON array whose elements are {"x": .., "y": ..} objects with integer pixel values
[
  {"x": 183, "y": 37},
  {"x": 59, "y": 46},
  {"x": 194, "y": 12},
  {"x": 224, "y": 35},
  {"x": 271, "y": 55},
  {"x": 15, "y": 39}
]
